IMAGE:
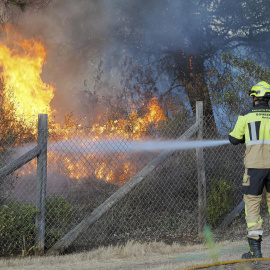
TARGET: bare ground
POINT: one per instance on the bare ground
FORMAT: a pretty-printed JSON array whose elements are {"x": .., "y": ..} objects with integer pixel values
[{"x": 155, "y": 255}]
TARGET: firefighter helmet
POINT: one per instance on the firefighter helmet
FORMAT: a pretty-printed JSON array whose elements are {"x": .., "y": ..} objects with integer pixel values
[{"x": 260, "y": 90}]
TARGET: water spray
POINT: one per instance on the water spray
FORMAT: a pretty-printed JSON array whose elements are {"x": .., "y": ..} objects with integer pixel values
[
  {"x": 90, "y": 146},
  {"x": 174, "y": 145}
]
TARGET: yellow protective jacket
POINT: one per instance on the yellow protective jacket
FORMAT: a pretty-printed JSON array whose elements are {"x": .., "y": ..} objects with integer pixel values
[{"x": 253, "y": 128}]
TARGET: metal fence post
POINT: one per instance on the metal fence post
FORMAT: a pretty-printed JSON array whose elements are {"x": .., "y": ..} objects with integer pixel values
[
  {"x": 41, "y": 183},
  {"x": 201, "y": 171}
]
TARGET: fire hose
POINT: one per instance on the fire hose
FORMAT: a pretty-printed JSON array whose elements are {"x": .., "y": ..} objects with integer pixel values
[{"x": 226, "y": 262}]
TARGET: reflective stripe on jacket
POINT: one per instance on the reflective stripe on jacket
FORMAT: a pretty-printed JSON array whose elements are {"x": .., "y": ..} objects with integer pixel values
[{"x": 254, "y": 126}]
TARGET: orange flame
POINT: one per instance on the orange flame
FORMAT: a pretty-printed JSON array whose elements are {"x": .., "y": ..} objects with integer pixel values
[
  {"x": 21, "y": 64},
  {"x": 134, "y": 127}
]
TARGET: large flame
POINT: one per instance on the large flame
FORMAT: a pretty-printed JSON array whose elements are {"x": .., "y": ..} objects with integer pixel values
[
  {"x": 104, "y": 168},
  {"x": 21, "y": 63}
]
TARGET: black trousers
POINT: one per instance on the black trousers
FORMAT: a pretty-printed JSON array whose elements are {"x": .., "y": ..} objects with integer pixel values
[{"x": 255, "y": 180}]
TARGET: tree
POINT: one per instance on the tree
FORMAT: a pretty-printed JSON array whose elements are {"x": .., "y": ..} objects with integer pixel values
[
  {"x": 230, "y": 87},
  {"x": 180, "y": 37}
]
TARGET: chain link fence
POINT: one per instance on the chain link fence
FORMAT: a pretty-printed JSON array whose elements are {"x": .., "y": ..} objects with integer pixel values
[{"x": 84, "y": 170}]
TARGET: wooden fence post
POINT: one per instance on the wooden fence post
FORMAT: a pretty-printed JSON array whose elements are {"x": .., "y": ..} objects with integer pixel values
[
  {"x": 41, "y": 183},
  {"x": 201, "y": 171}
]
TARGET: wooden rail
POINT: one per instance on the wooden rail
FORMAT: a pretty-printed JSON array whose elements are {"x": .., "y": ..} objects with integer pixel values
[
  {"x": 235, "y": 213},
  {"x": 18, "y": 163}
]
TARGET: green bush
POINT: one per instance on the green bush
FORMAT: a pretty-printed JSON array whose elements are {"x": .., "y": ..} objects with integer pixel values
[
  {"x": 219, "y": 200},
  {"x": 17, "y": 224},
  {"x": 17, "y": 227}
]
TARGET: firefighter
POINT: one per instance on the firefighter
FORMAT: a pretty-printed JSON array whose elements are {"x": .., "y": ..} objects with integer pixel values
[{"x": 253, "y": 128}]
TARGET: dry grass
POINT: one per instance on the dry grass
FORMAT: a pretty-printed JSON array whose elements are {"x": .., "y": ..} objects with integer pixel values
[{"x": 155, "y": 255}]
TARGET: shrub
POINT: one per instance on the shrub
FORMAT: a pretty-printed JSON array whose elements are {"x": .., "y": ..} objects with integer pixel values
[
  {"x": 17, "y": 227},
  {"x": 219, "y": 200},
  {"x": 17, "y": 224}
]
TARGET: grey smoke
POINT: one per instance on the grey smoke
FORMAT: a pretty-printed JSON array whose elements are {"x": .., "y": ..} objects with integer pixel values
[
  {"x": 74, "y": 34},
  {"x": 79, "y": 33}
]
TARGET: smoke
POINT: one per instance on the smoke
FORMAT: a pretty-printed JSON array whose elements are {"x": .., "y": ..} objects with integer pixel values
[
  {"x": 79, "y": 33},
  {"x": 73, "y": 33},
  {"x": 149, "y": 27}
]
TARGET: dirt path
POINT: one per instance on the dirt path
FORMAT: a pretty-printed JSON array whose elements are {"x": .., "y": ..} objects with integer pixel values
[{"x": 143, "y": 257}]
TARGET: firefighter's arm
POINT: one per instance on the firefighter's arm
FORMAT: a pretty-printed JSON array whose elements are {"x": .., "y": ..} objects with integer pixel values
[
  {"x": 237, "y": 136},
  {"x": 236, "y": 141}
]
